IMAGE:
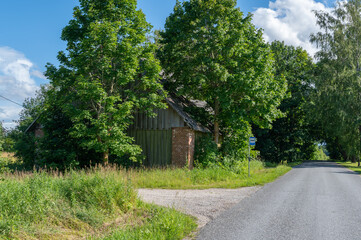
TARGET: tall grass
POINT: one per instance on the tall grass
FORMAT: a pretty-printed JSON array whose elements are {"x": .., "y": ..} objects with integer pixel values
[
  {"x": 101, "y": 202},
  {"x": 80, "y": 201},
  {"x": 166, "y": 224},
  {"x": 73, "y": 205}
]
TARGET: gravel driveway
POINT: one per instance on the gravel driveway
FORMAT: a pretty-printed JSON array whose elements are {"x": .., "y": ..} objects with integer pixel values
[{"x": 205, "y": 205}]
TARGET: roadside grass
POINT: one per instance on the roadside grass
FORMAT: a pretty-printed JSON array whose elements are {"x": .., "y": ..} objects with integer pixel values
[
  {"x": 165, "y": 224},
  {"x": 215, "y": 177},
  {"x": 351, "y": 166},
  {"x": 101, "y": 202},
  {"x": 93, "y": 204},
  {"x": 294, "y": 164}
]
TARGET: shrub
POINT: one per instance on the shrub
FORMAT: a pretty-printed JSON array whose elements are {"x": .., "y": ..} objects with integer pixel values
[{"x": 206, "y": 152}]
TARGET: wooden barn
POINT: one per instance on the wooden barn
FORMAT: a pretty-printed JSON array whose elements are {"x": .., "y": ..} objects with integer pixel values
[
  {"x": 168, "y": 139},
  {"x": 36, "y": 128}
]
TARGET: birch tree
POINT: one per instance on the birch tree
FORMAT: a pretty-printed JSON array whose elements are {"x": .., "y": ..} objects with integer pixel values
[{"x": 337, "y": 99}]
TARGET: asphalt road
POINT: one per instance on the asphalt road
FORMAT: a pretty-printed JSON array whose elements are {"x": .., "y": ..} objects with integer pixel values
[{"x": 316, "y": 200}]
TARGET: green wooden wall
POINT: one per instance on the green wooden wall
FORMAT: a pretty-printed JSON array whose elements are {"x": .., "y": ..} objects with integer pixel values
[
  {"x": 156, "y": 146},
  {"x": 154, "y": 135}
]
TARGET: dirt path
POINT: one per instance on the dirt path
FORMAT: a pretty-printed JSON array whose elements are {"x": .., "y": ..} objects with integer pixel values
[{"x": 205, "y": 205}]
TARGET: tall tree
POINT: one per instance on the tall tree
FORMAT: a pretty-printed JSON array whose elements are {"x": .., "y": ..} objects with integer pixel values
[
  {"x": 209, "y": 51},
  {"x": 337, "y": 101},
  {"x": 108, "y": 72},
  {"x": 291, "y": 136}
]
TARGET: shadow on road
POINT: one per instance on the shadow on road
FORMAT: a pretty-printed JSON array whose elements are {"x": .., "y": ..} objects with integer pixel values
[
  {"x": 318, "y": 164},
  {"x": 348, "y": 172},
  {"x": 324, "y": 164}
]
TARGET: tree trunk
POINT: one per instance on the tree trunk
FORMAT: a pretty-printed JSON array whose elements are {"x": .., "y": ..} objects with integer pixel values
[
  {"x": 106, "y": 158},
  {"x": 105, "y": 154},
  {"x": 344, "y": 155},
  {"x": 216, "y": 123},
  {"x": 358, "y": 157}
]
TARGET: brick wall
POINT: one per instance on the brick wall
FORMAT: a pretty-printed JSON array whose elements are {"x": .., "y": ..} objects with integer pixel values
[
  {"x": 183, "y": 147},
  {"x": 39, "y": 133}
]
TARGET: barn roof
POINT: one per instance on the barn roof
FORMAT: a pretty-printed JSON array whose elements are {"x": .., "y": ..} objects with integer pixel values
[
  {"x": 32, "y": 124},
  {"x": 179, "y": 103}
]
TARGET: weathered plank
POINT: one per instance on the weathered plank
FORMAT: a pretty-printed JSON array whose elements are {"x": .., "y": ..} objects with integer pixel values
[{"x": 156, "y": 146}]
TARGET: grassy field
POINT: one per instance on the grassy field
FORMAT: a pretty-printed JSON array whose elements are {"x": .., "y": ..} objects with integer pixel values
[{"x": 101, "y": 203}]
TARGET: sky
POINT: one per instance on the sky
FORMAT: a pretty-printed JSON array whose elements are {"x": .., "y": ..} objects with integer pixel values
[{"x": 30, "y": 37}]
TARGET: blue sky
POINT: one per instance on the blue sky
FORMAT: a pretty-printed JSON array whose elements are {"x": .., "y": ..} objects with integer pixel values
[
  {"x": 30, "y": 36},
  {"x": 34, "y": 27}
]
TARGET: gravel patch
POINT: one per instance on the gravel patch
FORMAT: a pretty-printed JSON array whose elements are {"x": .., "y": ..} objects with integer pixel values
[{"x": 205, "y": 204}]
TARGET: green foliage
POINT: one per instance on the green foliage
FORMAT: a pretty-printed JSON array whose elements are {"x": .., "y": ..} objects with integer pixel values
[
  {"x": 337, "y": 99},
  {"x": 8, "y": 145},
  {"x": 6, "y": 142},
  {"x": 108, "y": 73},
  {"x": 58, "y": 148},
  {"x": 2, "y": 137},
  {"x": 335, "y": 149},
  {"x": 320, "y": 153},
  {"x": 4, "y": 162},
  {"x": 236, "y": 141},
  {"x": 210, "y": 52},
  {"x": 206, "y": 152},
  {"x": 25, "y": 145},
  {"x": 291, "y": 137},
  {"x": 232, "y": 156}
]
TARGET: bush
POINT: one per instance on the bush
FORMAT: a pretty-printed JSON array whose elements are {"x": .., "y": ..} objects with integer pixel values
[
  {"x": 206, "y": 152},
  {"x": 4, "y": 162},
  {"x": 25, "y": 147},
  {"x": 240, "y": 166},
  {"x": 230, "y": 156}
]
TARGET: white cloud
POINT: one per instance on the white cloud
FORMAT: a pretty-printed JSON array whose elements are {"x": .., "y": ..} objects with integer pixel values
[
  {"x": 16, "y": 82},
  {"x": 8, "y": 113},
  {"x": 291, "y": 21},
  {"x": 38, "y": 74}
]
